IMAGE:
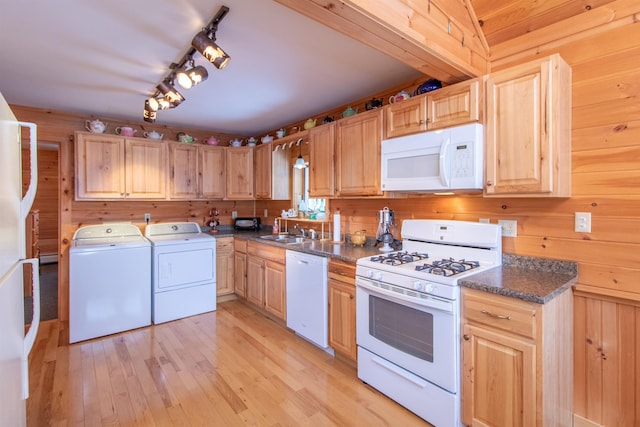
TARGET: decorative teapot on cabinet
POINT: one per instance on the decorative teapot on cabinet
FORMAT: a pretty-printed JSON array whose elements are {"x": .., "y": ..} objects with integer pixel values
[
  {"x": 310, "y": 123},
  {"x": 95, "y": 126},
  {"x": 153, "y": 135},
  {"x": 349, "y": 112},
  {"x": 400, "y": 96}
]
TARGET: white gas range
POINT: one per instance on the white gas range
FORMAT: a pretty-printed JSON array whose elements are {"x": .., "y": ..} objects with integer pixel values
[{"x": 408, "y": 313}]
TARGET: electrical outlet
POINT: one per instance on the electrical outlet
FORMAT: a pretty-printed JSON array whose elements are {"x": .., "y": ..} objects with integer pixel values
[
  {"x": 582, "y": 222},
  {"x": 147, "y": 217},
  {"x": 509, "y": 227},
  {"x": 484, "y": 220},
  {"x": 234, "y": 214},
  {"x": 265, "y": 213}
]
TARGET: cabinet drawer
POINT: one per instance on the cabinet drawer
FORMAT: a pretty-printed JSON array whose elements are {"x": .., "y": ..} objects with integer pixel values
[
  {"x": 266, "y": 252},
  {"x": 240, "y": 245},
  {"x": 500, "y": 312},
  {"x": 342, "y": 271},
  {"x": 224, "y": 245}
]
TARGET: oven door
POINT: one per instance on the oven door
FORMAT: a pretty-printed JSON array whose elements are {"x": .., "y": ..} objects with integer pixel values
[{"x": 419, "y": 335}]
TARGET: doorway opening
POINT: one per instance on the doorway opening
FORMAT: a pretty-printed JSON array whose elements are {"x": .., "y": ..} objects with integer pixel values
[{"x": 42, "y": 229}]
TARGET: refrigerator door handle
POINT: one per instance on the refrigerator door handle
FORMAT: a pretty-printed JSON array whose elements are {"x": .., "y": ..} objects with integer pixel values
[
  {"x": 29, "y": 197},
  {"x": 30, "y": 337}
]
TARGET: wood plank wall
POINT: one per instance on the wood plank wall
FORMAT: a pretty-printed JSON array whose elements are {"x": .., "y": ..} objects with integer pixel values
[{"x": 606, "y": 182}]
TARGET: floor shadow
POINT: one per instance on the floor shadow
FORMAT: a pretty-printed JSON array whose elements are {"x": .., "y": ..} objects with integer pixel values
[{"x": 48, "y": 295}]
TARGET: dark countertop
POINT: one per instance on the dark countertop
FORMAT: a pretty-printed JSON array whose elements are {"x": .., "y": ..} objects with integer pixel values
[
  {"x": 532, "y": 279},
  {"x": 342, "y": 251}
]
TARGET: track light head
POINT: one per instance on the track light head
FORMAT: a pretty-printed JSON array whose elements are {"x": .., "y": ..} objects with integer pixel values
[
  {"x": 203, "y": 43},
  {"x": 170, "y": 94},
  {"x": 190, "y": 75},
  {"x": 149, "y": 114}
]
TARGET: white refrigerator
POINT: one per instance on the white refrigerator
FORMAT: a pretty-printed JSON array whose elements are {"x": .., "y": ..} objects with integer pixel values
[{"x": 14, "y": 343}]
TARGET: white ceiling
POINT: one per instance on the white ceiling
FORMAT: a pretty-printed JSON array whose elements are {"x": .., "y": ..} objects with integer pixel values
[{"x": 104, "y": 58}]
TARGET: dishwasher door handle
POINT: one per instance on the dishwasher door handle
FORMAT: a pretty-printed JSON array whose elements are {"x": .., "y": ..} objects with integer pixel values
[{"x": 302, "y": 261}]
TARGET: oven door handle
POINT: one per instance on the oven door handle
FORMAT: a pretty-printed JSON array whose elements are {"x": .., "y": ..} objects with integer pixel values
[{"x": 430, "y": 302}]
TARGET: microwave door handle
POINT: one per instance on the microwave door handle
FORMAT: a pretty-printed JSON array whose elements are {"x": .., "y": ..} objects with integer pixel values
[{"x": 444, "y": 177}]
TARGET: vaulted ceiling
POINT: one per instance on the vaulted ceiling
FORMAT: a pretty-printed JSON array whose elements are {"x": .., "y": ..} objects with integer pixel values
[{"x": 290, "y": 58}]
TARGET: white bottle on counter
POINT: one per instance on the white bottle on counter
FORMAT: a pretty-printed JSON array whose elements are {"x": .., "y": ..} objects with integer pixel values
[{"x": 336, "y": 226}]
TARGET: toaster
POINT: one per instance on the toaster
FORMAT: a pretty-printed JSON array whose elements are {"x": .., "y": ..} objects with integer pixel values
[{"x": 247, "y": 223}]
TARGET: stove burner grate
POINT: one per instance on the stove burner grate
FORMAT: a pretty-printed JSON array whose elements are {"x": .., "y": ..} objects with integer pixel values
[
  {"x": 448, "y": 267},
  {"x": 398, "y": 258}
]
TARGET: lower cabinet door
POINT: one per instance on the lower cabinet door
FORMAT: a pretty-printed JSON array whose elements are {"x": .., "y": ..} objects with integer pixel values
[
  {"x": 342, "y": 318},
  {"x": 499, "y": 379}
]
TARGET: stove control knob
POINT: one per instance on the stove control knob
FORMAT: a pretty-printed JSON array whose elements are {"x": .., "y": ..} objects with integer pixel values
[
  {"x": 379, "y": 276},
  {"x": 417, "y": 285},
  {"x": 429, "y": 288},
  {"x": 369, "y": 274}
]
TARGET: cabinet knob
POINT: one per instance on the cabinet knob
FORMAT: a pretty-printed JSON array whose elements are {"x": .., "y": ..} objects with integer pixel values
[
  {"x": 466, "y": 337},
  {"x": 421, "y": 121},
  {"x": 489, "y": 183}
]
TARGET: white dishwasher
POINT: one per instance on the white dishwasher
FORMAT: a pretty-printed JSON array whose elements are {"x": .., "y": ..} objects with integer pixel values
[{"x": 307, "y": 299}]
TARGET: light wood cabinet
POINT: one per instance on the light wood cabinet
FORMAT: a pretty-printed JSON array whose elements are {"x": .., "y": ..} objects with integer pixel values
[
  {"x": 239, "y": 183},
  {"x": 271, "y": 173},
  {"x": 266, "y": 278},
  {"x": 517, "y": 361},
  {"x": 113, "y": 167},
  {"x": 452, "y": 105},
  {"x": 322, "y": 161},
  {"x": 225, "y": 266},
  {"x": 358, "y": 140},
  {"x": 240, "y": 267},
  {"x": 455, "y": 105},
  {"x": 183, "y": 174},
  {"x": 211, "y": 172},
  {"x": 196, "y": 172},
  {"x": 342, "y": 308},
  {"x": 528, "y": 130}
]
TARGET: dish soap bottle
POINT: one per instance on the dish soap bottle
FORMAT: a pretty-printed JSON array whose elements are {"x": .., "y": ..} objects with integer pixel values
[{"x": 276, "y": 227}]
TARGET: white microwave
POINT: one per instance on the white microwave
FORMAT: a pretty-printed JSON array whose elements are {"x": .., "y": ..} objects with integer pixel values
[{"x": 435, "y": 161}]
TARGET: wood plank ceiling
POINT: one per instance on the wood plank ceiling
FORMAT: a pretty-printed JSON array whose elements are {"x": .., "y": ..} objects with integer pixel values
[{"x": 448, "y": 40}]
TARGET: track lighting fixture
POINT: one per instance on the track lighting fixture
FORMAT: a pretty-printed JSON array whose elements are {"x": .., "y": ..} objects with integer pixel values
[
  {"x": 204, "y": 44},
  {"x": 170, "y": 93},
  {"x": 185, "y": 72},
  {"x": 149, "y": 114},
  {"x": 191, "y": 75}
]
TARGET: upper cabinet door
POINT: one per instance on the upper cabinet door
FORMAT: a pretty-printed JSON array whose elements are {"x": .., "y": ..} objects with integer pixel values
[
  {"x": 184, "y": 171},
  {"x": 322, "y": 161},
  {"x": 263, "y": 167},
  {"x": 146, "y": 163},
  {"x": 528, "y": 130},
  {"x": 358, "y": 142},
  {"x": 100, "y": 166},
  {"x": 455, "y": 105},
  {"x": 211, "y": 172},
  {"x": 239, "y": 173},
  {"x": 406, "y": 117}
]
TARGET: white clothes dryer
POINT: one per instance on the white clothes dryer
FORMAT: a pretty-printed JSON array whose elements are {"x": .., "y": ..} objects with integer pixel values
[
  {"x": 109, "y": 281},
  {"x": 183, "y": 270}
]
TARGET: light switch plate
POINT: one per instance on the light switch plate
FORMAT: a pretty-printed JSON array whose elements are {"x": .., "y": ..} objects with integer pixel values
[
  {"x": 234, "y": 214},
  {"x": 582, "y": 222}
]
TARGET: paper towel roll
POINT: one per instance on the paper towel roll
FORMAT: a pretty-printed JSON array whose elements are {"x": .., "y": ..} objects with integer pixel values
[{"x": 336, "y": 226}]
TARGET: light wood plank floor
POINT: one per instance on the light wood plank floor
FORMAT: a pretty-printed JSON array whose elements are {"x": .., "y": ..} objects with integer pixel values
[{"x": 232, "y": 367}]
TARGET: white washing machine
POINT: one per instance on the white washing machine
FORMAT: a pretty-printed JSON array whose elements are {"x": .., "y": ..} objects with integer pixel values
[
  {"x": 183, "y": 270},
  {"x": 109, "y": 281}
]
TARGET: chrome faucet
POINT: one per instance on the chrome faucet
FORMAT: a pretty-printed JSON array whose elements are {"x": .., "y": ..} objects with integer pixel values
[{"x": 300, "y": 229}]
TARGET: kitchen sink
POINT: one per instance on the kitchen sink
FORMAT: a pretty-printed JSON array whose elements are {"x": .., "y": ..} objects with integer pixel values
[{"x": 283, "y": 238}]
